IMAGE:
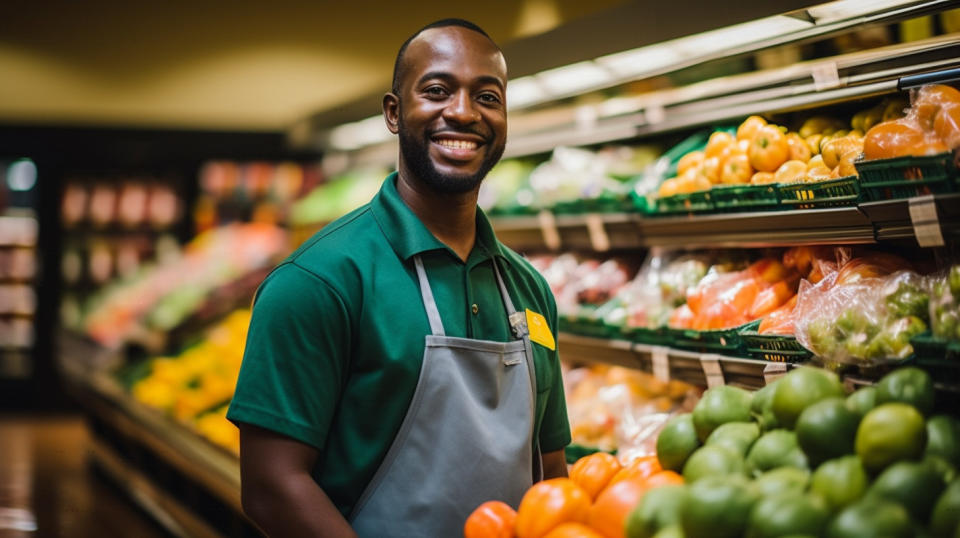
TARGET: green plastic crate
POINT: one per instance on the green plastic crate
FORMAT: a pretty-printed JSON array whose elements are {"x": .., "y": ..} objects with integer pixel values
[
  {"x": 657, "y": 336},
  {"x": 905, "y": 177},
  {"x": 681, "y": 204},
  {"x": 574, "y": 452},
  {"x": 844, "y": 191},
  {"x": 721, "y": 341},
  {"x": 572, "y": 207},
  {"x": 774, "y": 347},
  {"x": 738, "y": 198}
]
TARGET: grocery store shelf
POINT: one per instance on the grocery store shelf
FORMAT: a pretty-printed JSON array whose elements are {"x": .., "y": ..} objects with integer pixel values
[
  {"x": 166, "y": 466},
  {"x": 870, "y": 222},
  {"x": 700, "y": 369}
]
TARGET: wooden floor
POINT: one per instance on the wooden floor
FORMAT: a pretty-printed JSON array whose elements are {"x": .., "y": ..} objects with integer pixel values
[{"x": 47, "y": 487}]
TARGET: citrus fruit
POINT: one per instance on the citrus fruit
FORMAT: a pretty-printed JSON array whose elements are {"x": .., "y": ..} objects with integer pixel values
[
  {"x": 781, "y": 480},
  {"x": 548, "y": 504},
  {"x": 738, "y": 436},
  {"x": 801, "y": 388},
  {"x": 871, "y": 518},
  {"x": 946, "y": 513},
  {"x": 914, "y": 485},
  {"x": 676, "y": 442},
  {"x": 712, "y": 461},
  {"x": 761, "y": 407},
  {"x": 890, "y": 432},
  {"x": 749, "y": 127},
  {"x": 720, "y": 405},
  {"x": 785, "y": 514},
  {"x": 768, "y": 149},
  {"x": 863, "y": 400},
  {"x": 947, "y": 125},
  {"x": 891, "y": 139},
  {"x": 592, "y": 472},
  {"x": 573, "y": 530},
  {"x": 609, "y": 512},
  {"x": 826, "y": 430},
  {"x": 777, "y": 448},
  {"x": 492, "y": 519},
  {"x": 659, "y": 508},
  {"x": 909, "y": 385},
  {"x": 717, "y": 506},
  {"x": 943, "y": 438},
  {"x": 840, "y": 482}
]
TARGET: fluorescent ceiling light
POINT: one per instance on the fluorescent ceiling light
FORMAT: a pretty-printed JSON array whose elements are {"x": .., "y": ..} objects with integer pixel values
[
  {"x": 573, "y": 78},
  {"x": 848, "y": 9},
  {"x": 637, "y": 62},
  {"x": 359, "y": 134},
  {"x": 22, "y": 175},
  {"x": 738, "y": 35}
]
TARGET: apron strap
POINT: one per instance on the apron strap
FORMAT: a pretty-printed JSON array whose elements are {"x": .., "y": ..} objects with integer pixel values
[
  {"x": 518, "y": 320},
  {"x": 429, "y": 304}
]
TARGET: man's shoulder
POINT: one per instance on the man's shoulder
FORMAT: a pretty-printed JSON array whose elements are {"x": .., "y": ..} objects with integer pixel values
[{"x": 346, "y": 238}]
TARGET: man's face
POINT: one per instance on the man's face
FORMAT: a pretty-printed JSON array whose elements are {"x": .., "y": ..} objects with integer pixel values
[{"x": 451, "y": 116}]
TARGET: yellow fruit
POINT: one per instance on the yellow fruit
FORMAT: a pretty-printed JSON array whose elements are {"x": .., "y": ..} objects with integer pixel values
[{"x": 790, "y": 172}]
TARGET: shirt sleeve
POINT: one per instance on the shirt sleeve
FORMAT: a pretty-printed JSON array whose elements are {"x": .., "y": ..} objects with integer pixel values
[
  {"x": 296, "y": 356},
  {"x": 555, "y": 428}
]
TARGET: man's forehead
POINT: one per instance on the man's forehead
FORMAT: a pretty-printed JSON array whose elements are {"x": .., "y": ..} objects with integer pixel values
[{"x": 454, "y": 44}]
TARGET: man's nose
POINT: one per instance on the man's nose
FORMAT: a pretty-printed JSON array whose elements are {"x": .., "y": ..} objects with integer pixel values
[{"x": 461, "y": 109}]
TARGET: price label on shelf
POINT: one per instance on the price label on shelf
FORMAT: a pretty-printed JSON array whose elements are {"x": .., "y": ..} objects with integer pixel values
[
  {"x": 712, "y": 370},
  {"x": 926, "y": 222},
  {"x": 773, "y": 371},
  {"x": 599, "y": 239},
  {"x": 661, "y": 363},
  {"x": 825, "y": 76},
  {"x": 548, "y": 227},
  {"x": 654, "y": 113}
]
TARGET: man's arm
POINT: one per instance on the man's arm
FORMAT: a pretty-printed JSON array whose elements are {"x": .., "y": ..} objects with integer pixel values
[
  {"x": 554, "y": 464},
  {"x": 277, "y": 490}
]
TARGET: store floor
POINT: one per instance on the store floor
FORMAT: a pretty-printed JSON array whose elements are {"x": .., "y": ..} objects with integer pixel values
[{"x": 48, "y": 489}]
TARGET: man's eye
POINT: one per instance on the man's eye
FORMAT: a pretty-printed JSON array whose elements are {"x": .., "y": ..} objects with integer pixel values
[
  {"x": 489, "y": 98},
  {"x": 435, "y": 91}
]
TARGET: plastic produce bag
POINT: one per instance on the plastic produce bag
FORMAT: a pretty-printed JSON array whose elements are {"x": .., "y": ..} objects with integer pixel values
[
  {"x": 862, "y": 320},
  {"x": 945, "y": 305}
]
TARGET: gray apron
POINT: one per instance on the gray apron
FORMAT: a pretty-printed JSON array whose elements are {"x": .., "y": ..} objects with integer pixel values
[{"x": 467, "y": 436}]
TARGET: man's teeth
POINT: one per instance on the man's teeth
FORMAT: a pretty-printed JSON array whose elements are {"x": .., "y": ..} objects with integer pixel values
[{"x": 457, "y": 144}]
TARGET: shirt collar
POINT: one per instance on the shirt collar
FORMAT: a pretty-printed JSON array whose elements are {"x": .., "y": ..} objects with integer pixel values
[{"x": 408, "y": 236}]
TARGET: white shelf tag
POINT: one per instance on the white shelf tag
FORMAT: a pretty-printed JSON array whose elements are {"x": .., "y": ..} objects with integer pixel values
[
  {"x": 773, "y": 371},
  {"x": 599, "y": 239},
  {"x": 548, "y": 227},
  {"x": 712, "y": 370},
  {"x": 825, "y": 76},
  {"x": 661, "y": 363},
  {"x": 654, "y": 113},
  {"x": 926, "y": 223}
]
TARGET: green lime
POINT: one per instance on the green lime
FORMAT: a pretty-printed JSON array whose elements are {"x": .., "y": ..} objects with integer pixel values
[
  {"x": 659, "y": 508},
  {"x": 712, "y": 460},
  {"x": 944, "y": 468},
  {"x": 826, "y": 430},
  {"x": 909, "y": 385},
  {"x": 862, "y": 400},
  {"x": 785, "y": 514},
  {"x": 738, "y": 436},
  {"x": 717, "y": 506},
  {"x": 871, "y": 518},
  {"x": 720, "y": 405},
  {"x": 676, "y": 442},
  {"x": 946, "y": 513},
  {"x": 840, "y": 482},
  {"x": 800, "y": 388},
  {"x": 888, "y": 433},
  {"x": 777, "y": 448},
  {"x": 781, "y": 480},
  {"x": 943, "y": 438},
  {"x": 913, "y": 484},
  {"x": 761, "y": 408},
  {"x": 673, "y": 531}
]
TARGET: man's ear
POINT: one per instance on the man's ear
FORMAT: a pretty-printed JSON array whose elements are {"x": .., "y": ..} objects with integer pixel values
[{"x": 391, "y": 111}]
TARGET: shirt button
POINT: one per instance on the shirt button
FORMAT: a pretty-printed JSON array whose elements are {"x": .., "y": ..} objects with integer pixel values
[{"x": 475, "y": 309}]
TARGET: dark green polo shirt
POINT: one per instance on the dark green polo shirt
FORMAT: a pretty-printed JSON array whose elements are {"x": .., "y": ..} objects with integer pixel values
[{"x": 337, "y": 336}]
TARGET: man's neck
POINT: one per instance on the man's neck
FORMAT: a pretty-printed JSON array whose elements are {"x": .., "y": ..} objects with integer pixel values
[{"x": 451, "y": 218}]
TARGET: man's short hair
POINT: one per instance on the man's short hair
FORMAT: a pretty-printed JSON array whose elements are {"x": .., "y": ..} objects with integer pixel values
[{"x": 397, "y": 64}]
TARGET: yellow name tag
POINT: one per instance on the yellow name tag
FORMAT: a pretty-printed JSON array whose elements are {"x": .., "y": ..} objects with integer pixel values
[{"x": 539, "y": 330}]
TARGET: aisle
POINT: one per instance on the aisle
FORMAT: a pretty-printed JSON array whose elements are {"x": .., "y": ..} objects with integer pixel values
[{"x": 48, "y": 489}]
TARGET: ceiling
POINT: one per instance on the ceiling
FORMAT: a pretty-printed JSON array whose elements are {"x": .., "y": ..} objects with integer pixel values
[{"x": 243, "y": 66}]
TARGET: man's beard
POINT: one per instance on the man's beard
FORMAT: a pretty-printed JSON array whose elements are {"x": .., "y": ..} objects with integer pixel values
[{"x": 417, "y": 157}]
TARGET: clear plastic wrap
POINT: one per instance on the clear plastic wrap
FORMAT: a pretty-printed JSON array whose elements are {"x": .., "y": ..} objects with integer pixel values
[
  {"x": 945, "y": 305},
  {"x": 862, "y": 319}
]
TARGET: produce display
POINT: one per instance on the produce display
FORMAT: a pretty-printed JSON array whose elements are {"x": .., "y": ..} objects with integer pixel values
[
  {"x": 195, "y": 386},
  {"x": 931, "y": 125},
  {"x": 621, "y": 410},
  {"x": 945, "y": 305},
  {"x": 159, "y": 296},
  {"x": 338, "y": 196}
]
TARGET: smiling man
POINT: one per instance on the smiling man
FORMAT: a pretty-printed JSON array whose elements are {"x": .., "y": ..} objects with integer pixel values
[{"x": 401, "y": 366}]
